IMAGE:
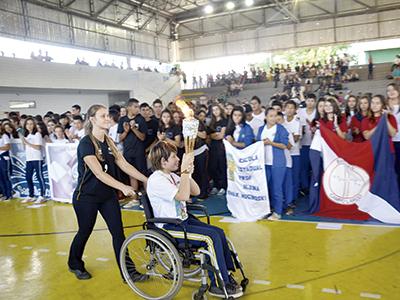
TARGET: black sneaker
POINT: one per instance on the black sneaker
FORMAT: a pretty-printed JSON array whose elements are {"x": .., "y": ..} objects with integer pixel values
[
  {"x": 231, "y": 290},
  {"x": 234, "y": 283},
  {"x": 81, "y": 275},
  {"x": 138, "y": 277}
]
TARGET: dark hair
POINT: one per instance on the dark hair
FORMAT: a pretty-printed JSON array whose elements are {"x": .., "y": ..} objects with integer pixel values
[
  {"x": 12, "y": 114},
  {"x": 23, "y": 116},
  {"x": 291, "y": 102},
  {"x": 256, "y": 98},
  {"x": 160, "y": 150},
  {"x": 26, "y": 132},
  {"x": 144, "y": 105},
  {"x": 43, "y": 129},
  {"x": 161, "y": 125},
  {"x": 347, "y": 109},
  {"x": 311, "y": 95},
  {"x": 276, "y": 103},
  {"x": 77, "y": 118},
  {"x": 115, "y": 107},
  {"x": 114, "y": 114},
  {"x": 157, "y": 101},
  {"x": 132, "y": 101},
  {"x": 279, "y": 113},
  {"x": 213, "y": 118},
  {"x": 63, "y": 116},
  {"x": 38, "y": 118},
  {"x": 230, "y": 128},
  {"x": 381, "y": 98},
  {"x": 269, "y": 109},
  {"x": 336, "y": 110},
  {"x": 14, "y": 133},
  {"x": 76, "y": 106}
]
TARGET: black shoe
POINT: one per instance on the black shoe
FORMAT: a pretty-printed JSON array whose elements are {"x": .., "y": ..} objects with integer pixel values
[
  {"x": 234, "y": 283},
  {"x": 138, "y": 277},
  {"x": 81, "y": 275},
  {"x": 219, "y": 292}
]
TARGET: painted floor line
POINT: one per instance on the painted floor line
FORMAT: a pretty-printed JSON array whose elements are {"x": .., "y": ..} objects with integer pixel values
[
  {"x": 370, "y": 295},
  {"x": 295, "y": 286},
  {"x": 27, "y": 248},
  {"x": 331, "y": 291},
  {"x": 61, "y": 253},
  {"x": 102, "y": 259},
  {"x": 345, "y": 224},
  {"x": 13, "y": 246},
  {"x": 263, "y": 282},
  {"x": 44, "y": 250}
]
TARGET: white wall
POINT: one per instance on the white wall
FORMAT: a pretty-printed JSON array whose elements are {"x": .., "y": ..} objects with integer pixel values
[{"x": 56, "y": 102}]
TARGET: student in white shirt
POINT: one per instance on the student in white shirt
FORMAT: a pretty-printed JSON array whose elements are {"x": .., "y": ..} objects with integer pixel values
[
  {"x": 292, "y": 124},
  {"x": 258, "y": 112},
  {"x": 255, "y": 123},
  {"x": 306, "y": 116},
  {"x": 59, "y": 135},
  {"x": 113, "y": 131},
  {"x": 5, "y": 165},
  {"x": 33, "y": 142},
  {"x": 168, "y": 194},
  {"x": 77, "y": 131}
]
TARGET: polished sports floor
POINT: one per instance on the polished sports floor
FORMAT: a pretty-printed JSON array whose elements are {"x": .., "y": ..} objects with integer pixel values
[{"x": 283, "y": 260}]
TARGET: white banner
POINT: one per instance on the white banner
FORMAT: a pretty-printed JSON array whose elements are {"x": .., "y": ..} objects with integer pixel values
[
  {"x": 62, "y": 166},
  {"x": 247, "y": 193}
]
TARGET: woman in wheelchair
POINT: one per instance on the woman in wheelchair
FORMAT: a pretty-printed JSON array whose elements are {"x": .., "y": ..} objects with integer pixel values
[{"x": 168, "y": 194}]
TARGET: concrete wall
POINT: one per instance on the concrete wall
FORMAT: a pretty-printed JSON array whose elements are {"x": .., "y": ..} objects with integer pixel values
[{"x": 63, "y": 80}]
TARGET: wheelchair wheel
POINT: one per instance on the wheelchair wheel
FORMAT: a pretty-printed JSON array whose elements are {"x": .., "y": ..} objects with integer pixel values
[{"x": 151, "y": 253}]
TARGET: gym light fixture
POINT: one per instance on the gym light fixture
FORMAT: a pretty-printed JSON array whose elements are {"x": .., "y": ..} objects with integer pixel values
[
  {"x": 249, "y": 2},
  {"x": 208, "y": 9},
  {"x": 230, "y": 5}
]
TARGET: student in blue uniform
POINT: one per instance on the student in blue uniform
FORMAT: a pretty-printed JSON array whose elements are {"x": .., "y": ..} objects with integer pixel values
[
  {"x": 132, "y": 130},
  {"x": 5, "y": 164},
  {"x": 217, "y": 159},
  {"x": 275, "y": 138},
  {"x": 98, "y": 160},
  {"x": 238, "y": 132}
]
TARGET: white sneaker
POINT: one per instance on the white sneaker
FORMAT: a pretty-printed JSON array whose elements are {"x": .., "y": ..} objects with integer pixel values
[
  {"x": 131, "y": 204},
  {"x": 274, "y": 217},
  {"x": 221, "y": 192},
  {"x": 40, "y": 200},
  {"x": 214, "y": 191},
  {"x": 28, "y": 199}
]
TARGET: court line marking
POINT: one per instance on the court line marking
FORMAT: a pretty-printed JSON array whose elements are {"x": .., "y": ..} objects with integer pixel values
[
  {"x": 59, "y": 232},
  {"x": 331, "y": 274},
  {"x": 27, "y": 248},
  {"x": 13, "y": 246},
  {"x": 295, "y": 286},
  {"x": 44, "y": 250},
  {"x": 370, "y": 295},
  {"x": 104, "y": 259},
  {"x": 61, "y": 253},
  {"x": 346, "y": 224},
  {"x": 264, "y": 282},
  {"x": 331, "y": 291}
]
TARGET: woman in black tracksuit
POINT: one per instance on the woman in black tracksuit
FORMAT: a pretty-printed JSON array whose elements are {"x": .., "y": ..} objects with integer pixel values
[{"x": 98, "y": 159}]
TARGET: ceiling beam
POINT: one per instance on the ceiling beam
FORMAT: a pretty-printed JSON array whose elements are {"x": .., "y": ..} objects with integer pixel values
[{"x": 101, "y": 10}]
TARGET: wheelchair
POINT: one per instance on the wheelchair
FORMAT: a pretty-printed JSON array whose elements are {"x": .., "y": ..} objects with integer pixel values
[{"x": 169, "y": 262}]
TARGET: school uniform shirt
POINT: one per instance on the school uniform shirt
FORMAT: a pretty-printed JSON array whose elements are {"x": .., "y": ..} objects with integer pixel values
[
  {"x": 31, "y": 153},
  {"x": 255, "y": 124},
  {"x": 200, "y": 144},
  {"x": 113, "y": 133},
  {"x": 60, "y": 141},
  {"x": 151, "y": 135},
  {"x": 172, "y": 132},
  {"x": 236, "y": 132},
  {"x": 4, "y": 140},
  {"x": 294, "y": 128},
  {"x": 161, "y": 190},
  {"x": 217, "y": 128},
  {"x": 288, "y": 156},
  {"x": 268, "y": 133},
  {"x": 369, "y": 123},
  {"x": 133, "y": 146},
  {"x": 90, "y": 188},
  {"x": 260, "y": 116},
  {"x": 355, "y": 123},
  {"x": 305, "y": 122}
]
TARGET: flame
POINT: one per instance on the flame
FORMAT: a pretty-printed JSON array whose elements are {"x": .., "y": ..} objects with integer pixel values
[{"x": 187, "y": 112}]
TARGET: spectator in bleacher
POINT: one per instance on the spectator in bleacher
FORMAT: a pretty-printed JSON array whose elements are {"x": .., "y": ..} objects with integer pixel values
[
  {"x": 333, "y": 118},
  {"x": 65, "y": 121},
  {"x": 370, "y": 68},
  {"x": 77, "y": 131}
]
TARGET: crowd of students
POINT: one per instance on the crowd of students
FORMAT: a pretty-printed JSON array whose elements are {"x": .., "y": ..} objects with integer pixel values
[{"x": 286, "y": 128}]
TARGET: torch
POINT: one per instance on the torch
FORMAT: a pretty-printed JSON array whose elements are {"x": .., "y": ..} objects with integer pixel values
[{"x": 190, "y": 126}]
